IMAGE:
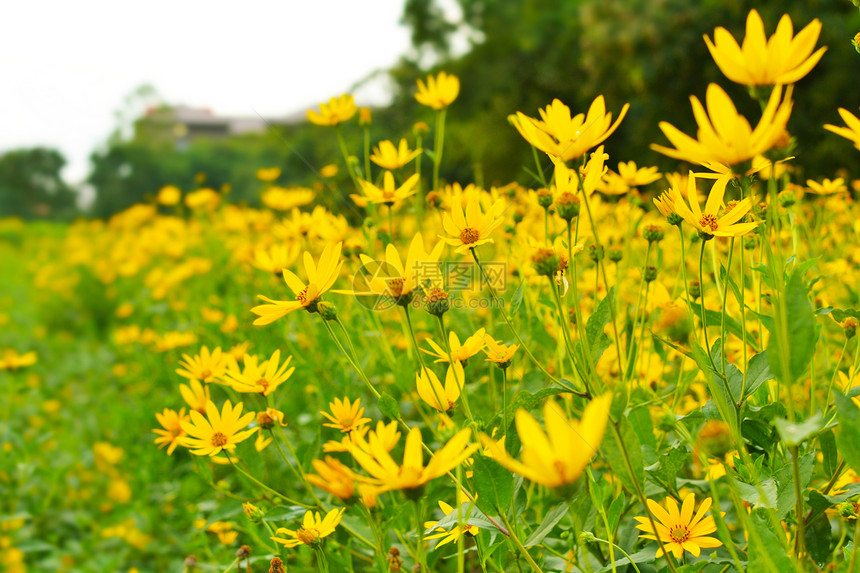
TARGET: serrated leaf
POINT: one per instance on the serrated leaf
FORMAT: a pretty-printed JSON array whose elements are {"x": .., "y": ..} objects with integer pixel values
[
  {"x": 598, "y": 341},
  {"x": 494, "y": 484},
  {"x": 550, "y": 520}
]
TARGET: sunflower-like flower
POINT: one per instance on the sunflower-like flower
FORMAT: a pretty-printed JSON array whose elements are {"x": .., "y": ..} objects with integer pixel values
[
  {"x": 171, "y": 422},
  {"x": 759, "y": 61},
  {"x": 498, "y": 352},
  {"x": 431, "y": 391},
  {"x": 709, "y": 221},
  {"x": 345, "y": 416},
  {"x": 680, "y": 530},
  {"x": 634, "y": 176},
  {"x": 11, "y": 360},
  {"x": 827, "y": 186},
  {"x": 335, "y": 112},
  {"x": 396, "y": 278},
  {"x": 471, "y": 228},
  {"x": 388, "y": 194},
  {"x": 567, "y": 180},
  {"x": 388, "y": 475},
  {"x": 334, "y": 477},
  {"x": 195, "y": 394},
  {"x": 438, "y": 92},
  {"x": 459, "y": 352},
  {"x": 283, "y": 199},
  {"x": 389, "y": 157},
  {"x": 206, "y": 366},
  {"x": 217, "y": 431},
  {"x": 276, "y": 257},
  {"x": 852, "y": 132},
  {"x": 321, "y": 277},
  {"x": 725, "y": 137},
  {"x": 558, "y": 456},
  {"x": 263, "y": 378},
  {"x": 448, "y": 535},
  {"x": 556, "y": 133},
  {"x": 314, "y": 527},
  {"x": 268, "y": 174}
]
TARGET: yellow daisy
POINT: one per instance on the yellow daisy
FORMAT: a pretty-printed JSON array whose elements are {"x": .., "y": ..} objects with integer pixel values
[
  {"x": 680, "y": 530},
  {"x": 208, "y": 436}
]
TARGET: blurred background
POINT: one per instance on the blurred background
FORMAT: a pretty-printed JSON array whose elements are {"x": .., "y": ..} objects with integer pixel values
[{"x": 103, "y": 105}]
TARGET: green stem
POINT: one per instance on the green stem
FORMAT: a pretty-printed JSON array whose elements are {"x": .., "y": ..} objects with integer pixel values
[
  {"x": 725, "y": 309},
  {"x": 264, "y": 486},
  {"x": 355, "y": 365},
  {"x": 461, "y": 383},
  {"x": 518, "y": 544},
  {"x": 642, "y": 284},
  {"x": 611, "y": 545},
  {"x": 702, "y": 305},
  {"x": 439, "y": 143},
  {"x": 342, "y": 144}
]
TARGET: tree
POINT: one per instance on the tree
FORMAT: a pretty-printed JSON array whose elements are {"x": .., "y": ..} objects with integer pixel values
[{"x": 31, "y": 185}]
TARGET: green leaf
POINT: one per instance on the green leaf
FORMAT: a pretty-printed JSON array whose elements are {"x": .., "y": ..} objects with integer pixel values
[
  {"x": 765, "y": 551},
  {"x": 828, "y": 451},
  {"x": 388, "y": 406},
  {"x": 840, "y": 314},
  {"x": 471, "y": 516},
  {"x": 818, "y": 537},
  {"x": 785, "y": 478},
  {"x": 550, "y": 520},
  {"x": 795, "y": 433},
  {"x": 612, "y": 450},
  {"x": 494, "y": 484},
  {"x": 848, "y": 436},
  {"x": 517, "y": 299},
  {"x": 597, "y": 339},
  {"x": 789, "y": 363},
  {"x": 758, "y": 372},
  {"x": 613, "y": 516},
  {"x": 762, "y": 495},
  {"x": 668, "y": 464},
  {"x": 644, "y": 556}
]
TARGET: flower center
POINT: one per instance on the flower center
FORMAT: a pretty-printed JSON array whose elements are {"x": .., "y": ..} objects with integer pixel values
[
  {"x": 679, "y": 534},
  {"x": 709, "y": 221},
  {"x": 469, "y": 236},
  {"x": 206, "y": 373},
  {"x": 307, "y": 536},
  {"x": 263, "y": 382},
  {"x": 219, "y": 439},
  {"x": 395, "y": 287},
  {"x": 302, "y": 297}
]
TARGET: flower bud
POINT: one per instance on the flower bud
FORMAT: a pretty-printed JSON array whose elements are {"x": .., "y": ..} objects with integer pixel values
[
  {"x": 786, "y": 199},
  {"x": 674, "y": 219},
  {"x": 595, "y": 253},
  {"x": 254, "y": 513},
  {"x": 586, "y": 537},
  {"x": 437, "y": 302},
  {"x": 567, "y": 206},
  {"x": 614, "y": 254},
  {"x": 546, "y": 261},
  {"x": 695, "y": 289},
  {"x": 544, "y": 198},
  {"x": 850, "y": 325},
  {"x": 653, "y": 233},
  {"x": 650, "y": 273},
  {"x": 327, "y": 310}
]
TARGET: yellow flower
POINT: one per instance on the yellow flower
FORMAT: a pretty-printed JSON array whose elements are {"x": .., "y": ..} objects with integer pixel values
[
  {"x": 783, "y": 59},
  {"x": 388, "y": 194},
  {"x": 168, "y": 195},
  {"x": 556, "y": 133},
  {"x": 275, "y": 258},
  {"x": 171, "y": 421},
  {"x": 447, "y": 536},
  {"x": 328, "y": 171},
  {"x": 459, "y": 352},
  {"x": 665, "y": 203},
  {"x": 471, "y": 228},
  {"x": 637, "y": 176},
  {"x": 376, "y": 460},
  {"x": 195, "y": 394},
  {"x": 725, "y": 137},
  {"x": 439, "y": 92},
  {"x": 268, "y": 174},
  {"x": 498, "y": 352},
  {"x": 396, "y": 279},
  {"x": 261, "y": 379},
  {"x": 224, "y": 531},
  {"x": 321, "y": 277},
  {"x": 208, "y": 436},
  {"x": 568, "y": 180},
  {"x": 851, "y": 132},
  {"x": 344, "y": 416},
  {"x": 203, "y": 199},
  {"x": 709, "y": 221},
  {"x": 432, "y": 392},
  {"x": 335, "y": 112},
  {"x": 205, "y": 367},
  {"x": 826, "y": 187},
  {"x": 282, "y": 199},
  {"x": 333, "y": 477},
  {"x": 389, "y": 157},
  {"x": 558, "y": 456},
  {"x": 10, "y": 359},
  {"x": 679, "y": 530},
  {"x": 312, "y": 530}
]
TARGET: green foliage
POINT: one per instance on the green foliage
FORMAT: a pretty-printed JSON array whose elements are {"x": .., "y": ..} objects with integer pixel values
[{"x": 32, "y": 185}]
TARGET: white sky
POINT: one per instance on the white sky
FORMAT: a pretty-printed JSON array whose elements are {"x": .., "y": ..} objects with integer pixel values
[{"x": 66, "y": 66}]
